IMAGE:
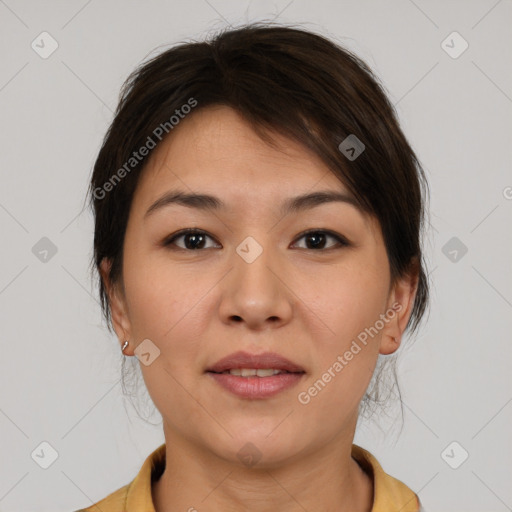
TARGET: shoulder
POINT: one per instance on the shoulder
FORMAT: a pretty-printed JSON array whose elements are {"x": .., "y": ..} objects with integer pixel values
[
  {"x": 388, "y": 490},
  {"x": 136, "y": 495}
]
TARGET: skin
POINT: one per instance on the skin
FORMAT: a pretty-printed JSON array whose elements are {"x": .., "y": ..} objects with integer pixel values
[{"x": 306, "y": 303}]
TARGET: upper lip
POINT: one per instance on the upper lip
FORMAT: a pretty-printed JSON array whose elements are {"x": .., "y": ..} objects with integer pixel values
[{"x": 255, "y": 361}]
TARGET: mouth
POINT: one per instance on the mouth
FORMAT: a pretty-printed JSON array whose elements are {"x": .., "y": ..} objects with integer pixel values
[
  {"x": 255, "y": 376},
  {"x": 248, "y": 363},
  {"x": 251, "y": 372}
]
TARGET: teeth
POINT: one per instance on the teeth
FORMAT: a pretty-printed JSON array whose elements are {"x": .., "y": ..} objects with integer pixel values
[{"x": 250, "y": 372}]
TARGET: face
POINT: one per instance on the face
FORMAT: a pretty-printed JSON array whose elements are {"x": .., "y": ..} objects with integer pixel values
[{"x": 247, "y": 278}]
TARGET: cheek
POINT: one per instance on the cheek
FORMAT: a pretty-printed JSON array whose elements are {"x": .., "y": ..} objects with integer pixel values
[
  {"x": 347, "y": 297},
  {"x": 349, "y": 300},
  {"x": 345, "y": 355},
  {"x": 166, "y": 302}
]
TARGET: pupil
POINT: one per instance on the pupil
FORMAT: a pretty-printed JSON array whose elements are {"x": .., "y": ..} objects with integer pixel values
[
  {"x": 195, "y": 245},
  {"x": 316, "y": 236}
]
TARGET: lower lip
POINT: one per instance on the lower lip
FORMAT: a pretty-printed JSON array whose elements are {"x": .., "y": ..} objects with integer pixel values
[{"x": 256, "y": 387}]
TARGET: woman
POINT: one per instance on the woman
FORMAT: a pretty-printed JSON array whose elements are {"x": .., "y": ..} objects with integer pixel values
[{"x": 258, "y": 214}]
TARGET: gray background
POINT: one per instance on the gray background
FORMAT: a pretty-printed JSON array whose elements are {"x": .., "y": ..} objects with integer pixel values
[{"x": 59, "y": 367}]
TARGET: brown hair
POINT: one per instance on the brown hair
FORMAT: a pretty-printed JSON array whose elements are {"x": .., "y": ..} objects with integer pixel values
[{"x": 278, "y": 78}]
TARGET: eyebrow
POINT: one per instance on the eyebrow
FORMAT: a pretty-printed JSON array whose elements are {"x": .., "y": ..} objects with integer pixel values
[{"x": 208, "y": 202}]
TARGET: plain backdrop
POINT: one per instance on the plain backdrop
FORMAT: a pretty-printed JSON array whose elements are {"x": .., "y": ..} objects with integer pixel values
[{"x": 59, "y": 366}]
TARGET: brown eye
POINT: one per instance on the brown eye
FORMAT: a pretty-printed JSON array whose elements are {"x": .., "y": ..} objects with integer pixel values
[
  {"x": 196, "y": 239},
  {"x": 318, "y": 240},
  {"x": 193, "y": 239}
]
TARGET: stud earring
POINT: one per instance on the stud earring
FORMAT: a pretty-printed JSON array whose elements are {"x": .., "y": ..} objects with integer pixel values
[{"x": 125, "y": 344}]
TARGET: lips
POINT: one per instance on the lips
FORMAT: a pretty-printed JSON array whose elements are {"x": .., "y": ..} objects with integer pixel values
[{"x": 267, "y": 360}]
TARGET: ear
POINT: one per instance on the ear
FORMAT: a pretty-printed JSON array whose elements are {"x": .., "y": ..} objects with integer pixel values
[
  {"x": 118, "y": 307},
  {"x": 399, "y": 309}
]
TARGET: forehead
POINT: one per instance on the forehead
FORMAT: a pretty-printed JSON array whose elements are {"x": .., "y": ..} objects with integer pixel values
[
  {"x": 216, "y": 149},
  {"x": 215, "y": 152}
]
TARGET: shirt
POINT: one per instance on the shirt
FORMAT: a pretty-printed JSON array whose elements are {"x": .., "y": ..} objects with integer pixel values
[{"x": 389, "y": 493}]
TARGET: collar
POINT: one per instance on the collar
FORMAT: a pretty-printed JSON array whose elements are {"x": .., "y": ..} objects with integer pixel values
[{"x": 387, "y": 490}]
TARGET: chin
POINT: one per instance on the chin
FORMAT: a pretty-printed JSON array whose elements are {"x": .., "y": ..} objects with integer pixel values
[{"x": 259, "y": 448}]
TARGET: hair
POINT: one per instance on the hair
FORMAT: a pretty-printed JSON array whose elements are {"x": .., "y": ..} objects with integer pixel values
[{"x": 278, "y": 78}]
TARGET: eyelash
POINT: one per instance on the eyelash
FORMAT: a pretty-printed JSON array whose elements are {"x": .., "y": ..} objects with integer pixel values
[{"x": 169, "y": 241}]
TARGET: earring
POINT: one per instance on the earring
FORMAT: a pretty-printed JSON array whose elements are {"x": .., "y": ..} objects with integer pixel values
[{"x": 125, "y": 344}]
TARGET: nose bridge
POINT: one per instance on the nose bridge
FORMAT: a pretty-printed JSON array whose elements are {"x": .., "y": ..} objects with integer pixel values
[
  {"x": 254, "y": 292},
  {"x": 252, "y": 263}
]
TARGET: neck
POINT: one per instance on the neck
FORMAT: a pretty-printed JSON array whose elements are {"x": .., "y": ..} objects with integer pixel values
[{"x": 328, "y": 480}]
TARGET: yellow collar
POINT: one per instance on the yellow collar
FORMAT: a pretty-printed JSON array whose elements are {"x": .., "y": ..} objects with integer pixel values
[{"x": 389, "y": 493}]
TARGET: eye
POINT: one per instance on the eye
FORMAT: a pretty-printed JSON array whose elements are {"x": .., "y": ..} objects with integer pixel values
[
  {"x": 318, "y": 239},
  {"x": 194, "y": 239}
]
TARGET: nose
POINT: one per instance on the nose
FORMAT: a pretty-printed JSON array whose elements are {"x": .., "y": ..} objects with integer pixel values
[{"x": 256, "y": 293}]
